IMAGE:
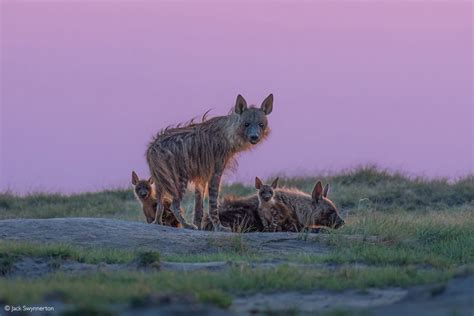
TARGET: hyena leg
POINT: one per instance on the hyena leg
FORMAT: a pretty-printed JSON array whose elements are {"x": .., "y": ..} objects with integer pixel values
[
  {"x": 214, "y": 185},
  {"x": 159, "y": 210},
  {"x": 176, "y": 206},
  {"x": 274, "y": 225},
  {"x": 263, "y": 220},
  {"x": 198, "y": 205}
]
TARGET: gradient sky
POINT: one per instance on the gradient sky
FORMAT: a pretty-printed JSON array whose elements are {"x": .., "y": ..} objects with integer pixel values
[{"x": 85, "y": 84}]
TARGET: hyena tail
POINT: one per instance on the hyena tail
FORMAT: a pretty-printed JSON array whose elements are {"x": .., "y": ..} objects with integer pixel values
[{"x": 165, "y": 179}]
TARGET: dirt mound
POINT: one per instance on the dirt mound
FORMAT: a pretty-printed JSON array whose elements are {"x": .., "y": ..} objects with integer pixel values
[{"x": 110, "y": 233}]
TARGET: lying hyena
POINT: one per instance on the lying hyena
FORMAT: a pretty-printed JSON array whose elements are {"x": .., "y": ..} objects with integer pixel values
[
  {"x": 238, "y": 213},
  {"x": 200, "y": 152},
  {"x": 274, "y": 215},
  {"x": 312, "y": 211},
  {"x": 145, "y": 194}
]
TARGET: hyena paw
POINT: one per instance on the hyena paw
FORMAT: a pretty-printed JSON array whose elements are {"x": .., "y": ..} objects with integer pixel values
[
  {"x": 158, "y": 222},
  {"x": 189, "y": 226}
]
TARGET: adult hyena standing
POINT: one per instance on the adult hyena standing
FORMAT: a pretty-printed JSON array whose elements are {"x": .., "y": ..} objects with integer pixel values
[{"x": 200, "y": 152}]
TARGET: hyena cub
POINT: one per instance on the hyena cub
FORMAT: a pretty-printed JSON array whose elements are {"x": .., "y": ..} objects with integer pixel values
[
  {"x": 309, "y": 211},
  {"x": 145, "y": 194},
  {"x": 274, "y": 215}
]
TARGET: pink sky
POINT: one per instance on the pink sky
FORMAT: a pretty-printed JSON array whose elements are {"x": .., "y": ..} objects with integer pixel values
[{"x": 85, "y": 84}]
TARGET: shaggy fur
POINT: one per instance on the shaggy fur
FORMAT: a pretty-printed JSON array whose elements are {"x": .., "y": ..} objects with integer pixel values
[
  {"x": 274, "y": 215},
  {"x": 240, "y": 214},
  {"x": 312, "y": 211},
  {"x": 145, "y": 194},
  {"x": 200, "y": 152}
]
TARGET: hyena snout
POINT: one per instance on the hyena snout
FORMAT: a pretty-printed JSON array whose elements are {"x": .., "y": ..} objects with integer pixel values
[
  {"x": 143, "y": 193},
  {"x": 266, "y": 196},
  {"x": 254, "y": 131},
  {"x": 254, "y": 136},
  {"x": 336, "y": 221}
]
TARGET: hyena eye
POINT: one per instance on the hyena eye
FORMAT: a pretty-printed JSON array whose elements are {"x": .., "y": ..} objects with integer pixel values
[
  {"x": 261, "y": 125},
  {"x": 247, "y": 124}
]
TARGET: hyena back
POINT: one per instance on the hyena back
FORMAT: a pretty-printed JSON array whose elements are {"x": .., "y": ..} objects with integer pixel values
[{"x": 200, "y": 152}]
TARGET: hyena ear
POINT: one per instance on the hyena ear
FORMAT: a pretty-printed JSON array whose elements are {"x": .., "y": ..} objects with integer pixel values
[
  {"x": 150, "y": 181},
  {"x": 135, "y": 178},
  {"x": 240, "y": 105},
  {"x": 267, "y": 105},
  {"x": 318, "y": 191},
  {"x": 326, "y": 190},
  {"x": 258, "y": 183},
  {"x": 275, "y": 183}
]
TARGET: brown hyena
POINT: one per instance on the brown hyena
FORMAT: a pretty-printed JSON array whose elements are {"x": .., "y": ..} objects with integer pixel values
[
  {"x": 274, "y": 215},
  {"x": 312, "y": 211},
  {"x": 238, "y": 213},
  {"x": 200, "y": 152},
  {"x": 145, "y": 194}
]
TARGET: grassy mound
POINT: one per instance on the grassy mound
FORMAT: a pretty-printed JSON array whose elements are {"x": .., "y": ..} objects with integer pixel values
[{"x": 364, "y": 188}]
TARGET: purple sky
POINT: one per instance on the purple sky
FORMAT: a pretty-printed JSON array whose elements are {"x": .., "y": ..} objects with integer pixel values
[{"x": 85, "y": 84}]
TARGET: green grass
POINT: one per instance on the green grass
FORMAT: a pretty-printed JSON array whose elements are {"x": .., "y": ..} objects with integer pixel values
[
  {"x": 359, "y": 189},
  {"x": 113, "y": 204},
  {"x": 6, "y": 262},
  {"x": 215, "y": 287},
  {"x": 60, "y": 251},
  {"x": 148, "y": 259},
  {"x": 10, "y": 251},
  {"x": 401, "y": 231},
  {"x": 390, "y": 245},
  {"x": 228, "y": 256},
  {"x": 437, "y": 239}
]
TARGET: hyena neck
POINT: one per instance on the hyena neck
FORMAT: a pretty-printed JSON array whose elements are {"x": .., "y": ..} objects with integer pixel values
[{"x": 265, "y": 205}]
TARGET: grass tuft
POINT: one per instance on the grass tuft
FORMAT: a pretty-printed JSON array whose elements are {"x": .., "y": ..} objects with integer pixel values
[
  {"x": 148, "y": 259},
  {"x": 6, "y": 263}
]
